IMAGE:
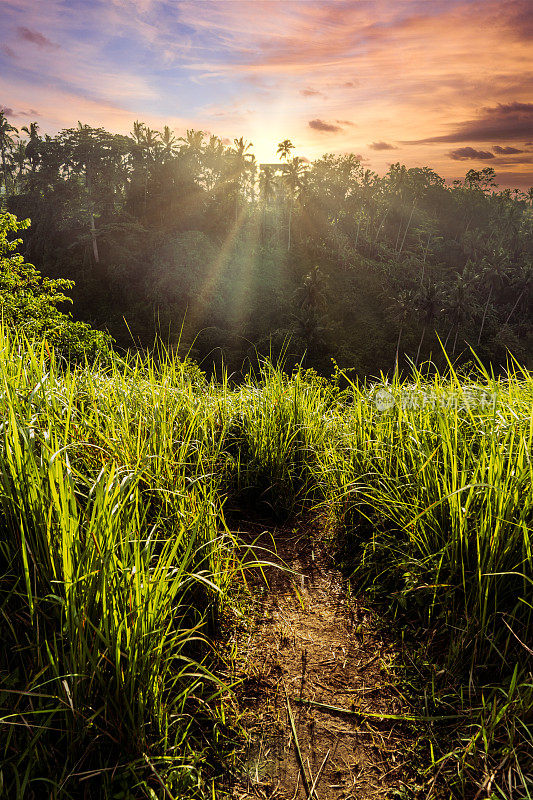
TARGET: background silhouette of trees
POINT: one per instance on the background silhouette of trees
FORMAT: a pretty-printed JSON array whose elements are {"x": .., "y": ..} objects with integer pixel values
[{"x": 191, "y": 238}]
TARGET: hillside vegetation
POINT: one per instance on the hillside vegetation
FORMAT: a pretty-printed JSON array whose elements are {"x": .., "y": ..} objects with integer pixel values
[
  {"x": 117, "y": 565},
  {"x": 191, "y": 238}
]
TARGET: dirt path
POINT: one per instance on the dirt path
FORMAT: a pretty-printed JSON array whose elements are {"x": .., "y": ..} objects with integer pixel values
[{"x": 309, "y": 641}]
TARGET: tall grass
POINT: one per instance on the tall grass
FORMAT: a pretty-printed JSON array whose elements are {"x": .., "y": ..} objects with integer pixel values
[
  {"x": 116, "y": 560},
  {"x": 428, "y": 483},
  {"x": 445, "y": 472},
  {"x": 431, "y": 485}
]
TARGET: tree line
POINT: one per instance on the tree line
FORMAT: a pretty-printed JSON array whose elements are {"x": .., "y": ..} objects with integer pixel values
[{"x": 191, "y": 239}]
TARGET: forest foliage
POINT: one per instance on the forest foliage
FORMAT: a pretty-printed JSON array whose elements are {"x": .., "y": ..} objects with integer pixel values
[
  {"x": 192, "y": 239},
  {"x": 29, "y": 302}
]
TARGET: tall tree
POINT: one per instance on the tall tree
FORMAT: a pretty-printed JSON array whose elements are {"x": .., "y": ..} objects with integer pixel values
[
  {"x": 97, "y": 157},
  {"x": 267, "y": 189},
  {"x": 7, "y": 141},
  {"x": 19, "y": 156},
  {"x": 169, "y": 142},
  {"x": 401, "y": 310},
  {"x": 32, "y": 147},
  {"x": 429, "y": 304},
  {"x": 293, "y": 173},
  {"x": 459, "y": 302},
  {"x": 242, "y": 161},
  {"x": 284, "y": 149}
]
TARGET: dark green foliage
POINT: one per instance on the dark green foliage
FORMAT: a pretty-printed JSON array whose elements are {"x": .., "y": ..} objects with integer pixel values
[
  {"x": 29, "y": 302},
  {"x": 187, "y": 236}
]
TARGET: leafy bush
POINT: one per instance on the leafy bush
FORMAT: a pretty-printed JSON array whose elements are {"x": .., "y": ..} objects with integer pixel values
[{"x": 29, "y": 302}]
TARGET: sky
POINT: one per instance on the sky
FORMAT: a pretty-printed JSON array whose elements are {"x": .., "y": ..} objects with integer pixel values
[{"x": 440, "y": 83}]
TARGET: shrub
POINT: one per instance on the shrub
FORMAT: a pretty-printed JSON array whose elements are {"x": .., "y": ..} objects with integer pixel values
[{"x": 29, "y": 302}]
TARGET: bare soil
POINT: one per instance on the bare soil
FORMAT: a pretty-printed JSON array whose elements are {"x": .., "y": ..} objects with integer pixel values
[{"x": 308, "y": 640}]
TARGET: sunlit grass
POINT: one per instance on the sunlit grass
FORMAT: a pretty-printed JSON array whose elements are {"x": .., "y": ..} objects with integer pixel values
[{"x": 116, "y": 560}]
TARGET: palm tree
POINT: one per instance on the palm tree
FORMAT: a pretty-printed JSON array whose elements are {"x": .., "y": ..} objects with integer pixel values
[
  {"x": 150, "y": 143},
  {"x": 20, "y": 156},
  {"x": 192, "y": 151},
  {"x": 267, "y": 183},
  {"x": 310, "y": 329},
  {"x": 96, "y": 157},
  {"x": 32, "y": 147},
  {"x": 293, "y": 173},
  {"x": 84, "y": 153},
  {"x": 284, "y": 149},
  {"x": 267, "y": 188},
  {"x": 242, "y": 162},
  {"x": 460, "y": 303},
  {"x": 312, "y": 295},
  {"x": 138, "y": 161},
  {"x": 523, "y": 282},
  {"x": 213, "y": 160},
  {"x": 401, "y": 311},
  {"x": 496, "y": 275},
  {"x": 150, "y": 146},
  {"x": 137, "y": 134},
  {"x": 168, "y": 140},
  {"x": 138, "y": 131},
  {"x": 429, "y": 305},
  {"x": 194, "y": 141},
  {"x": 6, "y": 142}
]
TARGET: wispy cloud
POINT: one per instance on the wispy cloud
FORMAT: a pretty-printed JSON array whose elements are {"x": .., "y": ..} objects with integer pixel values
[
  {"x": 26, "y": 114},
  {"x": 504, "y": 121},
  {"x": 34, "y": 37}
]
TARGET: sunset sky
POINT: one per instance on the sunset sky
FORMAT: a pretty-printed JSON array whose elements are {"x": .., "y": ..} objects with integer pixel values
[{"x": 443, "y": 83}]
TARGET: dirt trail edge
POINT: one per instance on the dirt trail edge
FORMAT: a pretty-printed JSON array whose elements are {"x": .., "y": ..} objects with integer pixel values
[{"x": 310, "y": 643}]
